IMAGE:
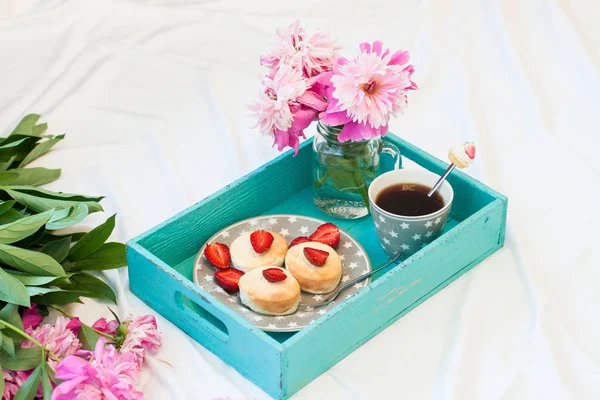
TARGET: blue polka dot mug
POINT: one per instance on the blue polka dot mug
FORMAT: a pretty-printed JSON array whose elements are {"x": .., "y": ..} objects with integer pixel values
[{"x": 408, "y": 234}]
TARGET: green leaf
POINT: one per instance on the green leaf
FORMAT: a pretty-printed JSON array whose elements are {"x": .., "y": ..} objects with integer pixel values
[
  {"x": 46, "y": 385},
  {"x": 24, "y": 359},
  {"x": 88, "y": 337},
  {"x": 33, "y": 262},
  {"x": 58, "y": 249},
  {"x": 31, "y": 385},
  {"x": 36, "y": 290},
  {"x": 20, "y": 229},
  {"x": 10, "y": 314},
  {"x": 40, "y": 149},
  {"x": 39, "y": 203},
  {"x": 6, "y": 164},
  {"x": 48, "y": 194},
  {"x": 94, "y": 287},
  {"x": 26, "y": 125},
  {"x": 110, "y": 256},
  {"x": 50, "y": 237},
  {"x": 6, "y": 205},
  {"x": 58, "y": 298},
  {"x": 12, "y": 291},
  {"x": 39, "y": 129},
  {"x": 114, "y": 315},
  {"x": 8, "y": 346},
  {"x": 67, "y": 217},
  {"x": 32, "y": 240},
  {"x": 29, "y": 176},
  {"x": 11, "y": 215},
  {"x": 92, "y": 242},
  {"x": 30, "y": 280}
]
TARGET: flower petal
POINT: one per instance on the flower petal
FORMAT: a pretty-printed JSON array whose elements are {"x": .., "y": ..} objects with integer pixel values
[
  {"x": 313, "y": 100},
  {"x": 351, "y": 131},
  {"x": 336, "y": 118},
  {"x": 400, "y": 57},
  {"x": 365, "y": 47},
  {"x": 377, "y": 46},
  {"x": 302, "y": 118}
]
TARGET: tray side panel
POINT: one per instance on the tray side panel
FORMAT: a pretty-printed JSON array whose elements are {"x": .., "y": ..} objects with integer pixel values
[
  {"x": 317, "y": 348},
  {"x": 238, "y": 344}
]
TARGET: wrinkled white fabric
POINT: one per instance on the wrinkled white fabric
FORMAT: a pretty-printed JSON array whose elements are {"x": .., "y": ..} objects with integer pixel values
[{"x": 152, "y": 96}]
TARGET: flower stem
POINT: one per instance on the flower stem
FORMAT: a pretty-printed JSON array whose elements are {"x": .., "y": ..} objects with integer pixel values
[
  {"x": 28, "y": 337},
  {"x": 66, "y": 314}
]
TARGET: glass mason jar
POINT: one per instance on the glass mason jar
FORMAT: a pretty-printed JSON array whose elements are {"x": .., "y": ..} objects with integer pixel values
[{"x": 342, "y": 172}]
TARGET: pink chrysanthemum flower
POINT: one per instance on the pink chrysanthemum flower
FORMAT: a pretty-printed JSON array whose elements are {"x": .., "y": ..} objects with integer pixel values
[
  {"x": 368, "y": 91},
  {"x": 310, "y": 53},
  {"x": 141, "y": 334},
  {"x": 59, "y": 338},
  {"x": 12, "y": 384},
  {"x": 105, "y": 374}
]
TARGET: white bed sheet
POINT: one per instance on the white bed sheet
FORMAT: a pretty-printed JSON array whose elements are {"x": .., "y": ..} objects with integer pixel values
[{"x": 152, "y": 97}]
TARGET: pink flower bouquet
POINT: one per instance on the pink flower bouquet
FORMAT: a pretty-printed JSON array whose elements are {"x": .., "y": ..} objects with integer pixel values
[{"x": 307, "y": 80}]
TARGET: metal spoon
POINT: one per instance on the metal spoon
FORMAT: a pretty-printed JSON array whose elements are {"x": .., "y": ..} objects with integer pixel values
[
  {"x": 441, "y": 180},
  {"x": 335, "y": 294}
]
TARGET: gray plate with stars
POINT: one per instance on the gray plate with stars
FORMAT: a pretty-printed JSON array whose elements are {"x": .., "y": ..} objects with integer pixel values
[{"x": 355, "y": 262}]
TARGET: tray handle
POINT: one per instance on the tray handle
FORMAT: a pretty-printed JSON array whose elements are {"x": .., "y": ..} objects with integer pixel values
[{"x": 197, "y": 309}]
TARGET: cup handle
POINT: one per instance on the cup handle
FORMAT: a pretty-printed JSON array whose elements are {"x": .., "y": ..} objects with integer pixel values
[{"x": 393, "y": 151}]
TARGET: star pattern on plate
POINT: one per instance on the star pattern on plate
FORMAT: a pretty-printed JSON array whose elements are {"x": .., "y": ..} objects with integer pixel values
[
  {"x": 382, "y": 219},
  {"x": 404, "y": 225},
  {"x": 355, "y": 263},
  {"x": 393, "y": 234},
  {"x": 428, "y": 234},
  {"x": 386, "y": 240},
  {"x": 405, "y": 246},
  {"x": 416, "y": 236},
  {"x": 376, "y": 225},
  {"x": 438, "y": 220},
  {"x": 428, "y": 224}
]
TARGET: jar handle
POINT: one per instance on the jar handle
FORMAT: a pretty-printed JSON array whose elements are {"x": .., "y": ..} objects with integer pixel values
[{"x": 393, "y": 151}]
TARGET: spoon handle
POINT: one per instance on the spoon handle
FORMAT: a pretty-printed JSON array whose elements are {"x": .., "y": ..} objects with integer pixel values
[
  {"x": 441, "y": 180},
  {"x": 334, "y": 295}
]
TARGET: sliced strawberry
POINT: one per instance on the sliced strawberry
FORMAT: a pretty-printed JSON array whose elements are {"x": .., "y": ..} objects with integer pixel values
[
  {"x": 261, "y": 241},
  {"x": 298, "y": 240},
  {"x": 229, "y": 279},
  {"x": 328, "y": 234},
  {"x": 470, "y": 150},
  {"x": 274, "y": 274},
  {"x": 316, "y": 257},
  {"x": 218, "y": 255}
]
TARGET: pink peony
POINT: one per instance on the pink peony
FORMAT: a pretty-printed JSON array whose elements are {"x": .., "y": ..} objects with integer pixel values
[
  {"x": 31, "y": 318},
  {"x": 12, "y": 384},
  {"x": 106, "y": 327},
  {"x": 309, "y": 53},
  {"x": 286, "y": 107},
  {"x": 141, "y": 335},
  {"x": 368, "y": 91},
  {"x": 57, "y": 338},
  {"x": 105, "y": 374}
]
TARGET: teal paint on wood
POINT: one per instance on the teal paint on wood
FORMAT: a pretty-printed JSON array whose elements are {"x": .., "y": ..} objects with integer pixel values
[{"x": 160, "y": 265}]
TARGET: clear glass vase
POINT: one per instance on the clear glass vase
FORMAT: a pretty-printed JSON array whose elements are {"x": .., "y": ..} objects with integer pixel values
[{"x": 342, "y": 172}]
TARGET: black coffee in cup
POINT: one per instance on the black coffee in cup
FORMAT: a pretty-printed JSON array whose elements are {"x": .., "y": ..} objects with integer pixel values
[{"x": 409, "y": 199}]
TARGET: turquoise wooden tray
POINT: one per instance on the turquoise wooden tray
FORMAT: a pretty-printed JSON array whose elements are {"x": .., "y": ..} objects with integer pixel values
[{"x": 161, "y": 261}]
